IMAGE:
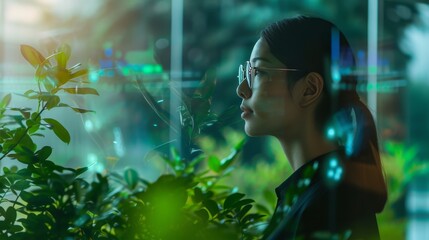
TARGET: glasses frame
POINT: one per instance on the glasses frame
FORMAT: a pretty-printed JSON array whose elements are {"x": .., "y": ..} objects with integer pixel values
[{"x": 249, "y": 73}]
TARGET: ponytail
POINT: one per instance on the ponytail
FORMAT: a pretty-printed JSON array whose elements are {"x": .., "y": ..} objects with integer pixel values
[{"x": 358, "y": 135}]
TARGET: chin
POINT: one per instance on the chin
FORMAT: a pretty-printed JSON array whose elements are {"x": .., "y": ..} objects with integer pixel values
[{"x": 252, "y": 132}]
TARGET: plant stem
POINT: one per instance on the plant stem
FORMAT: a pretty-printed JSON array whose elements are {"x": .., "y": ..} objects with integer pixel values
[
  {"x": 16, "y": 199},
  {"x": 5, "y": 193},
  {"x": 22, "y": 136}
]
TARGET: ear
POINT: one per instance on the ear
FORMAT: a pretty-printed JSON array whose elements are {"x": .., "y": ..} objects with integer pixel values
[{"x": 312, "y": 89}]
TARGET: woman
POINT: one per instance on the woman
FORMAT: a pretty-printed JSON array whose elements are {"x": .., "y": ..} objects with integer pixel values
[{"x": 295, "y": 88}]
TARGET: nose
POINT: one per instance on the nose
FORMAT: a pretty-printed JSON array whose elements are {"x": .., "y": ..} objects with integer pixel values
[{"x": 243, "y": 90}]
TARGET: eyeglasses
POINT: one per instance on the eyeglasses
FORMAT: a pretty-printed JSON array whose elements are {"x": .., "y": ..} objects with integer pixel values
[{"x": 249, "y": 73}]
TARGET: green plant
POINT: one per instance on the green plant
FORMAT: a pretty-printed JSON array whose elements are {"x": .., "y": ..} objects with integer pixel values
[
  {"x": 402, "y": 165},
  {"x": 259, "y": 183},
  {"x": 41, "y": 199},
  {"x": 39, "y": 195}
]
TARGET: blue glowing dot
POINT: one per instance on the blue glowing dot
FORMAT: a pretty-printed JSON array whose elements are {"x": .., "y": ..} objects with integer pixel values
[
  {"x": 333, "y": 163},
  {"x": 108, "y": 52},
  {"x": 336, "y": 76},
  {"x": 315, "y": 165},
  {"x": 155, "y": 125},
  {"x": 89, "y": 125},
  {"x": 307, "y": 181},
  {"x": 337, "y": 176},
  {"x": 331, "y": 132},
  {"x": 330, "y": 173},
  {"x": 349, "y": 146},
  {"x": 93, "y": 76}
]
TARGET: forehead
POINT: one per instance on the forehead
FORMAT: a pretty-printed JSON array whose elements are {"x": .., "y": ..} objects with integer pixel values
[{"x": 261, "y": 53}]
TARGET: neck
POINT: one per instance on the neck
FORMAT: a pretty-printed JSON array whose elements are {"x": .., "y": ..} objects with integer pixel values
[{"x": 305, "y": 149}]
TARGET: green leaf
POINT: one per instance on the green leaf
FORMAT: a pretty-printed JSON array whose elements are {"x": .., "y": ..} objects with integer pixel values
[
  {"x": 240, "y": 145},
  {"x": 52, "y": 102},
  {"x": 2, "y": 212},
  {"x": 198, "y": 195},
  {"x": 58, "y": 129},
  {"x": 194, "y": 162},
  {"x": 4, "y": 183},
  {"x": 243, "y": 202},
  {"x": 33, "y": 56},
  {"x": 25, "y": 173},
  {"x": 79, "y": 73},
  {"x": 77, "y": 90},
  {"x": 35, "y": 117},
  {"x": 18, "y": 119},
  {"x": 5, "y": 133},
  {"x": 232, "y": 199},
  {"x": 25, "y": 114},
  {"x": 5, "y": 101},
  {"x": 252, "y": 217},
  {"x": 212, "y": 206},
  {"x": 60, "y": 75},
  {"x": 10, "y": 215},
  {"x": 44, "y": 153},
  {"x": 6, "y": 170},
  {"x": 37, "y": 224},
  {"x": 39, "y": 200},
  {"x": 38, "y": 134},
  {"x": 244, "y": 211},
  {"x": 131, "y": 178},
  {"x": 214, "y": 163},
  {"x": 21, "y": 185},
  {"x": 33, "y": 125},
  {"x": 21, "y": 142},
  {"x": 30, "y": 93},
  {"x": 63, "y": 56},
  {"x": 81, "y": 110},
  {"x": 15, "y": 229},
  {"x": 24, "y": 158},
  {"x": 203, "y": 214},
  {"x": 175, "y": 155},
  {"x": 79, "y": 171},
  {"x": 226, "y": 162}
]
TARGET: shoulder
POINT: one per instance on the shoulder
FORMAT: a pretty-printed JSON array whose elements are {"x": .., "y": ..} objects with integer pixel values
[{"x": 340, "y": 211}]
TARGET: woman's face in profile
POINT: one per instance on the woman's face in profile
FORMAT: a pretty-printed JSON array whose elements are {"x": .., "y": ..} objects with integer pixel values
[{"x": 269, "y": 107}]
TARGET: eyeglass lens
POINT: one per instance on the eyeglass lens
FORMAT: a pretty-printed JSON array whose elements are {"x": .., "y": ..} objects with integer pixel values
[{"x": 245, "y": 73}]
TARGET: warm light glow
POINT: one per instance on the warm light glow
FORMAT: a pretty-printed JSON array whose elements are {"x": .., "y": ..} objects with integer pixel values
[{"x": 22, "y": 13}]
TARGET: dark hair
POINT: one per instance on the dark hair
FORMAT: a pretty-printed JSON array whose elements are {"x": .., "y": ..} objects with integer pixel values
[{"x": 315, "y": 45}]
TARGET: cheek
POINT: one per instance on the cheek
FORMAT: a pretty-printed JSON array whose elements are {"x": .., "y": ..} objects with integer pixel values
[{"x": 271, "y": 104}]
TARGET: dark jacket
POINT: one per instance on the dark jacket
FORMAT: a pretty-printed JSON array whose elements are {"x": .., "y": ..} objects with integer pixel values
[{"x": 316, "y": 203}]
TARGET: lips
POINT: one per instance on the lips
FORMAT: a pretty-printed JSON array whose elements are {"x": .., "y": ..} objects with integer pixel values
[{"x": 247, "y": 112}]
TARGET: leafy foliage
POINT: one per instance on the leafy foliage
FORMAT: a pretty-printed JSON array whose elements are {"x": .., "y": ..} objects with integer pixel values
[
  {"x": 43, "y": 200},
  {"x": 403, "y": 166}
]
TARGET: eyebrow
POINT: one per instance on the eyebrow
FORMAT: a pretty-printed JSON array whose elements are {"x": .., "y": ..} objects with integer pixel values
[{"x": 260, "y": 59}]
